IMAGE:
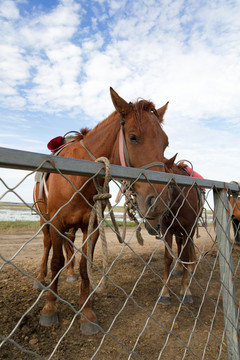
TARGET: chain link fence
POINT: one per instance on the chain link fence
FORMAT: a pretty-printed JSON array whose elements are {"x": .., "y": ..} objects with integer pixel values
[{"x": 134, "y": 322}]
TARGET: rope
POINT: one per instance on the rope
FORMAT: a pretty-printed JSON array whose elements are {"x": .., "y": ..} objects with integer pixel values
[
  {"x": 130, "y": 209},
  {"x": 101, "y": 200}
]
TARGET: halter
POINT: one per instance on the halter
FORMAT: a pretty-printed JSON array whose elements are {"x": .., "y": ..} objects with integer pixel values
[
  {"x": 123, "y": 152},
  {"x": 124, "y": 160}
]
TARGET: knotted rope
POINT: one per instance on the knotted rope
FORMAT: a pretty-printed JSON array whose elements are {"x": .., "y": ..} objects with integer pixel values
[
  {"x": 101, "y": 201},
  {"x": 130, "y": 206}
]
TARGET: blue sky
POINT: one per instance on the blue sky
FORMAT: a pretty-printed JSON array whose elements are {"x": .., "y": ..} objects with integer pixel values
[{"x": 59, "y": 58}]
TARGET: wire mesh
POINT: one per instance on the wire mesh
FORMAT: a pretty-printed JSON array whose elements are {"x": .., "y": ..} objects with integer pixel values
[{"x": 133, "y": 322}]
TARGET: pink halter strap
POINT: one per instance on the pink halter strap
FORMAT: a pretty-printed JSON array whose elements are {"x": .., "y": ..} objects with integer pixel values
[{"x": 121, "y": 150}]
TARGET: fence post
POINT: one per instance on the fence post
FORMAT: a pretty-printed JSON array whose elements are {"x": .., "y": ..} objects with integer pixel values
[{"x": 222, "y": 223}]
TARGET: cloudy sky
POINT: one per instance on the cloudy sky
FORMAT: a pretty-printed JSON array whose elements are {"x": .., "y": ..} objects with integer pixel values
[{"x": 58, "y": 59}]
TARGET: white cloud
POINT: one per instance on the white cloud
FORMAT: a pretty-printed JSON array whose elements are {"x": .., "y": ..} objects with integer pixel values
[
  {"x": 55, "y": 83},
  {"x": 9, "y": 10},
  {"x": 46, "y": 30},
  {"x": 14, "y": 70},
  {"x": 38, "y": 51}
]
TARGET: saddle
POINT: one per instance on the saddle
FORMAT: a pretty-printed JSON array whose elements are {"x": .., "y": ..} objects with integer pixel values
[{"x": 55, "y": 145}]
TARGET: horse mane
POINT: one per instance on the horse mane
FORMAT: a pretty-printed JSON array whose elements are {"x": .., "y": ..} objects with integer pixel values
[
  {"x": 177, "y": 168},
  {"x": 82, "y": 133},
  {"x": 181, "y": 164}
]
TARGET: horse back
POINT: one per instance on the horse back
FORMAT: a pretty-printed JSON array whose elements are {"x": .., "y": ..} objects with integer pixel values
[{"x": 235, "y": 204}]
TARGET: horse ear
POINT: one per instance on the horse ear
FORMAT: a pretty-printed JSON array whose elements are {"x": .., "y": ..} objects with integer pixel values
[
  {"x": 169, "y": 162},
  {"x": 161, "y": 111},
  {"x": 120, "y": 104}
]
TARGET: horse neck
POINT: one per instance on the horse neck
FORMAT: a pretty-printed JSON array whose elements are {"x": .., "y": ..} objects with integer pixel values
[
  {"x": 176, "y": 189},
  {"x": 102, "y": 140}
]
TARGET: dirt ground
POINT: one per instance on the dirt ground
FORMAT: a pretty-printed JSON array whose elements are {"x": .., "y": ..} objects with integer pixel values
[{"x": 134, "y": 325}]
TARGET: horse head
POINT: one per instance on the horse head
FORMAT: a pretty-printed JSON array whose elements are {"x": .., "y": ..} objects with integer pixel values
[
  {"x": 144, "y": 143},
  {"x": 153, "y": 225}
]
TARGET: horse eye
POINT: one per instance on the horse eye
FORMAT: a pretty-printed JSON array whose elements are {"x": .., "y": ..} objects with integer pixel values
[{"x": 133, "y": 138}]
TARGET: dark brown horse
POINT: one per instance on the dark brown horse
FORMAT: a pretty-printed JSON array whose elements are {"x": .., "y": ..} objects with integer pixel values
[
  {"x": 180, "y": 220},
  {"x": 140, "y": 124},
  {"x": 235, "y": 213}
]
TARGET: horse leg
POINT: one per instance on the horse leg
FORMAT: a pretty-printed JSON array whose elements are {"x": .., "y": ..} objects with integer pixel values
[
  {"x": 89, "y": 324},
  {"x": 178, "y": 271},
  {"x": 49, "y": 312},
  {"x": 71, "y": 275},
  {"x": 185, "y": 293},
  {"x": 236, "y": 229},
  {"x": 42, "y": 273},
  {"x": 164, "y": 294}
]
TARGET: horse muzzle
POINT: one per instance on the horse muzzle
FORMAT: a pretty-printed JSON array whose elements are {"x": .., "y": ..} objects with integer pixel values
[
  {"x": 152, "y": 226},
  {"x": 156, "y": 208}
]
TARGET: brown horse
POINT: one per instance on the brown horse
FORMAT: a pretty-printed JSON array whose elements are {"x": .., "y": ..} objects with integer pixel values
[
  {"x": 140, "y": 124},
  {"x": 235, "y": 212},
  {"x": 180, "y": 220}
]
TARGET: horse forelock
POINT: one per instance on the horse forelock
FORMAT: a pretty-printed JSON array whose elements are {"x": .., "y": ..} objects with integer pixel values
[
  {"x": 138, "y": 107},
  {"x": 143, "y": 105}
]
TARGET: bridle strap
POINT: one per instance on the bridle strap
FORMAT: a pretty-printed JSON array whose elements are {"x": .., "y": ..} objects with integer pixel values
[
  {"x": 123, "y": 153},
  {"x": 156, "y": 163},
  {"x": 121, "y": 148}
]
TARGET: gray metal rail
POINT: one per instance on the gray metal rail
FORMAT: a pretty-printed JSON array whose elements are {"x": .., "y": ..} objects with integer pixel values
[{"x": 26, "y": 160}]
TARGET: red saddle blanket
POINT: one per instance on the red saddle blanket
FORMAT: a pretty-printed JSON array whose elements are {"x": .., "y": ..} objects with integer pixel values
[
  {"x": 193, "y": 173},
  {"x": 58, "y": 142}
]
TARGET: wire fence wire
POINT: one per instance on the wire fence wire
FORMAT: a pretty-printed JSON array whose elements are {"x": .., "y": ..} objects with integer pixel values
[{"x": 133, "y": 321}]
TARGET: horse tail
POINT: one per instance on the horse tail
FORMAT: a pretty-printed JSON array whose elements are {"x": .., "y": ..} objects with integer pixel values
[{"x": 69, "y": 249}]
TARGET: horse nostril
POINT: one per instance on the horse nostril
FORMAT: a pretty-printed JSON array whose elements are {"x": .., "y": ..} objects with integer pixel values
[{"x": 150, "y": 201}]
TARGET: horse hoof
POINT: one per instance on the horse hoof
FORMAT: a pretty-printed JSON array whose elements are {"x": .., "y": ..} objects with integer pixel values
[
  {"x": 72, "y": 278},
  {"x": 165, "y": 300},
  {"x": 48, "y": 320},
  {"x": 38, "y": 285},
  {"x": 187, "y": 299},
  {"x": 177, "y": 272},
  {"x": 89, "y": 328}
]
